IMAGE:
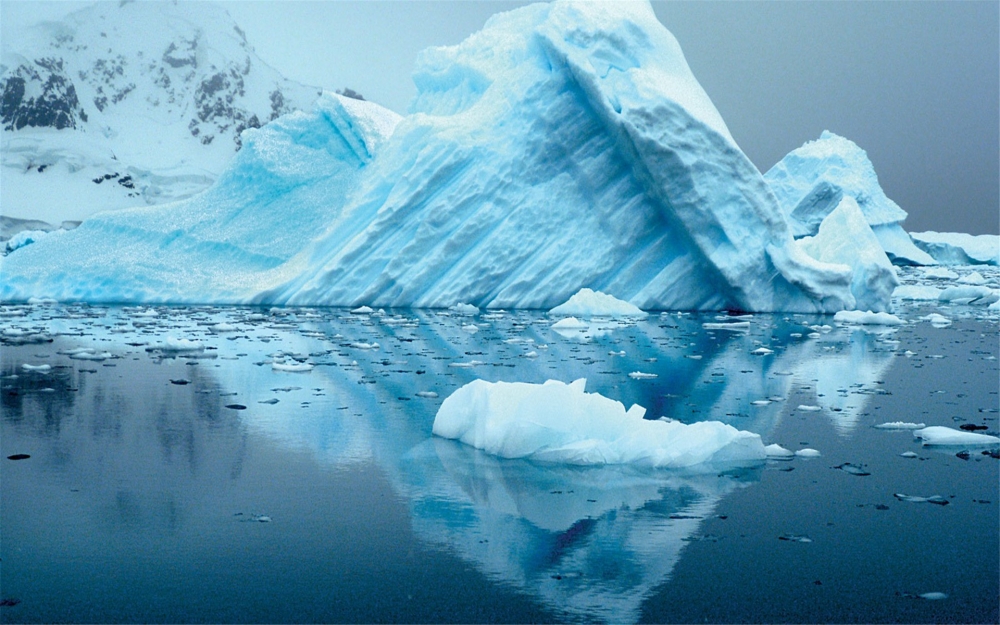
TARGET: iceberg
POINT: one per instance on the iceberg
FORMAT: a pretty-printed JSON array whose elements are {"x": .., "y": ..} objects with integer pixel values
[
  {"x": 958, "y": 248},
  {"x": 565, "y": 145},
  {"x": 810, "y": 182},
  {"x": 560, "y": 423},
  {"x": 590, "y": 303}
]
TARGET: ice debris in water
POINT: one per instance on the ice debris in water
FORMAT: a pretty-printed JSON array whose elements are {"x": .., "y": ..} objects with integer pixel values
[
  {"x": 939, "y": 273},
  {"x": 291, "y": 367},
  {"x": 775, "y": 451},
  {"x": 36, "y": 368},
  {"x": 937, "y": 499},
  {"x": 464, "y": 309},
  {"x": 941, "y": 435},
  {"x": 852, "y": 469},
  {"x": 807, "y": 453},
  {"x": 560, "y": 423},
  {"x": 639, "y": 375},
  {"x": 867, "y": 318},
  {"x": 590, "y": 303},
  {"x": 909, "y": 454},
  {"x": 899, "y": 425},
  {"x": 809, "y": 408},
  {"x": 570, "y": 323},
  {"x": 937, "y": 320},
  {"x": 975, "y": 279}
]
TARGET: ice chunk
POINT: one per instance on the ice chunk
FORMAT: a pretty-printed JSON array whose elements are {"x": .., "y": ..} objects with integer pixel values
[
  {"x": 36, "y": 368},
  {"x": 464, "y": 309},
  {"x": 956, "y": 248},
  {"x": 807, "y": 453},
  {"x": 558, "y": 422},
  {"x": 975, "y": 278},
  {"x": 917, "y": 292},
  {"x": 975, "y": 295},
  {"x": 939, "y": 273},
  {"x": 292, "y": 367},
  {"x": 639, "y": 375},
  {"x": 867, "y": 318},
  {"x": 809, "y": 408},
  {"x": 938, "y": 320},
  {"x": 845, "y": 238},
  {"x": 589, "y": 303},
  {"x": 899, "y": 425},
  {"x": 940, "y": 435}
]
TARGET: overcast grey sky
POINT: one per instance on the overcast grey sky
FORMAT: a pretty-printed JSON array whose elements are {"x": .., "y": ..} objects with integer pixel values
[{"x": 916, "y": 84}]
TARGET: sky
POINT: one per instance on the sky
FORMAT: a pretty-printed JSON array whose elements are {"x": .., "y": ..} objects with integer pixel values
[{"x": 916, "y": 84}]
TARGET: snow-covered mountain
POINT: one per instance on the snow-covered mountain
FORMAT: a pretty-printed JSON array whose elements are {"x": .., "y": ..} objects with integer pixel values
[{"x": 128, "y": 104}]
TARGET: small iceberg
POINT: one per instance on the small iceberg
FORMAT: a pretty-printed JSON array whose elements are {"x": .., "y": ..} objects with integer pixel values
[
  {"x": 589, "y": 303},
  {"x": 899, "y": 425},
  {"x": 557, "y": 422},
  {"x": 857, "y": 317},
  {"x": 940, "y": 435}
]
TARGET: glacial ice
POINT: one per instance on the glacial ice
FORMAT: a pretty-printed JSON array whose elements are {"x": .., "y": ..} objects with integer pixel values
[
  {"x": 957, "y": 248},
  {"x": 940, "y": 435},
  {"x": 565, "y": 145},
  {"x": 811, "y": 181},
  {"x": 558, "y": 422}
]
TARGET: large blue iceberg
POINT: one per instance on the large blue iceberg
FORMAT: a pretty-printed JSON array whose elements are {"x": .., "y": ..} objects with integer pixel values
[{"x": 564, "y": 146}]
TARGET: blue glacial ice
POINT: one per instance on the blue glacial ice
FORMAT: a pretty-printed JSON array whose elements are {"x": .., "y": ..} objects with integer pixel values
[
  {"x": 810, "y": 182},
  {"x": 564, "y": 146},
  {"x": 958, "y": 248}
]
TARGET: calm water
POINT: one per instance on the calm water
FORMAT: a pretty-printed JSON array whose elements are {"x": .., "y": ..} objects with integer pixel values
[{"x": 151, "y": 496}]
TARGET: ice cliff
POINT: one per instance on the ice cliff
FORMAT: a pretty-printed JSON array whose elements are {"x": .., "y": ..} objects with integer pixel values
[{"x": 565, "y": 145}]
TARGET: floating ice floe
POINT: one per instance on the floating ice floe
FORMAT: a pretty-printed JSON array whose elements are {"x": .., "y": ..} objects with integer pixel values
[
  {"x": 36, "y": 368},
  {"x": 939, "y": 273},
  {"x": 941, "y": 435},
  {"x": 807, "y": 452},
  {"x": 761, "y": 351},
  {"x": 917, "y": 292},
  {"x": 292, "y": 367},
  {"x": 975, "y": 279},
  {"x": 969, "y": 294},
  {"x": 937, "y": 499},
  {"x": 464, "y": 309},
  {"x": 867, "y": 318},
  {"x": 639, "y": 375},
  {"x": 735, "y": 326},
  {"x": 172, "y": 344},
  {"x": 362, "y": 310},
  {"x": 937, "y": 320},
  {"x": 589, "y": 303},
  {"x": 570, "y": 323},
  {"x": 899, "y": 425},
  {"x": 809, "y": 408},
  {"x": 560, "y": 423}
]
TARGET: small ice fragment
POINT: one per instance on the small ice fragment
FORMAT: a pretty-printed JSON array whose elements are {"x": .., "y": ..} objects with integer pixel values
[
  {"x": 291, "y": 367},
  {"x": 621, "y": 353},
  {"x": 271, "y": 401},
  {"x": 363, "y": 310},
  {"x": 775, "y": 451},
  {"x": 531, "y": 354},
  {"x": 975, "y": 279},
  {"x": 639, "y": 375},
  {"x": 219, "y": 328},
  {"x": 464, "y": 309},
  {"x": 465, "y": 365},
  {"x": 899, "y": 425},
  {"x": 36, "y": 368},
  {"x": 762, "y": 351},
  {"x": 795, "y": 538},
  {"x": 939, "y": 273},
  {"x": 938, "y": 320},
  {"x": 867, "y": 318},
  {"x": 263, "y": 518},
  {"x": 90, "y": 355},
  {"x": 808, "y": 408},
  {"x": 807, "y": 453},
  {"x": 940, "y": 435},
  {"x": 933, "y": 596},
  {"x": 427, "y": 394},
  {"x": 471, "y": 328},
  {"x": 853, "y": 469},
  {"x": 936, "y": 499},
  {"x": 737, "y": 326},
  {"x": 760, "y": 402},
  {"x": 909, "y": 454}
]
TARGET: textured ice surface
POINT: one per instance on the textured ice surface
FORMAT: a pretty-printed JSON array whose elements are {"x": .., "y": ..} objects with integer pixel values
[
  {"x": 558, "y": 422},
  {"x": 958, "y": 248},
  {"x": 283, "y": 187},
  {"x": 811, "y": 181},
  {"x": 590, "y": 303},
  {"x": 845, "y": 238},
  {"x": 868, "y": 318},
  {"x": 566, "y": 145}
]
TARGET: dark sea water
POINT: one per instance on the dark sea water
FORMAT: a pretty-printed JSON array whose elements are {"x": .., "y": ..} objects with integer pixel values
[{"x": 206, "y": 486}]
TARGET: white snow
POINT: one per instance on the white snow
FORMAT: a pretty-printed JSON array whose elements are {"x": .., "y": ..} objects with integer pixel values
[
  {"x": 956, "y": 248},
  {"x": 590, "y": 303},
  {"x": 867, "y": 318},
  {"x": 940, "y": 435},
  {"x": 560, "y": 423}
]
